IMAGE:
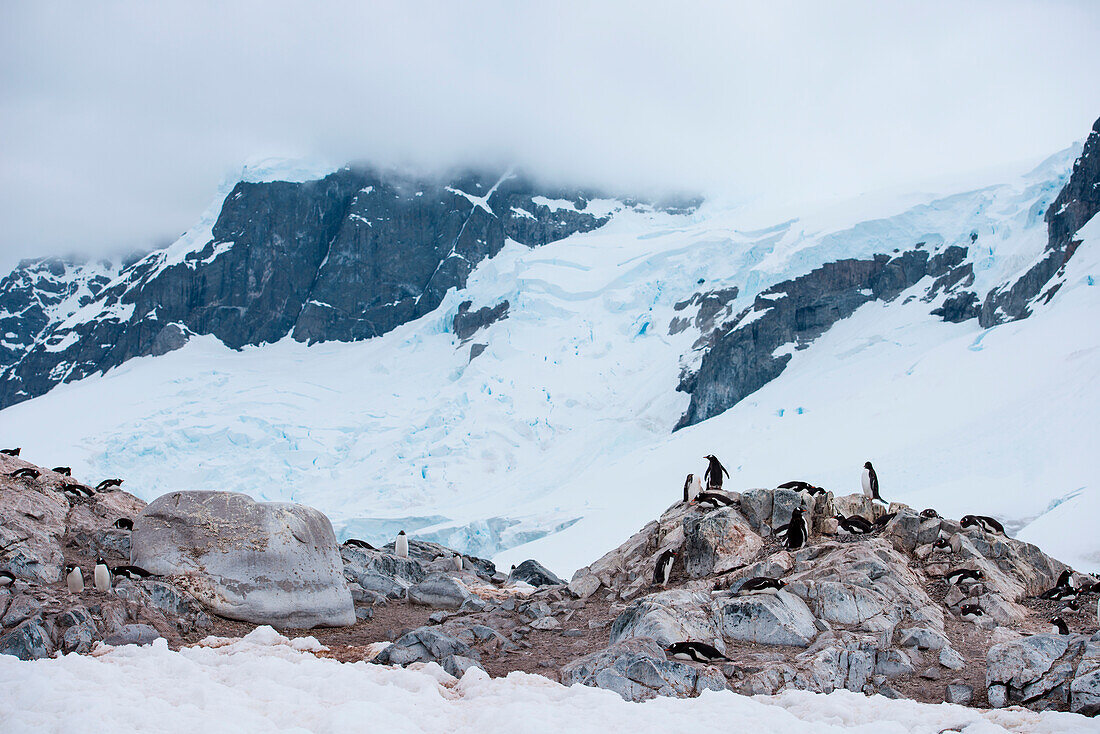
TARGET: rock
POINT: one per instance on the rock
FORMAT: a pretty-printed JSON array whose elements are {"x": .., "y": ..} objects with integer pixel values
[
  {"x": 457, "y": 665},
  {"x": 951, "y": 659},
  {"x": 261, "y": 562},
  {"x": 439, "y": 591},
  {"x": 29, "y": 641},
  {"x": 79, "y": 638},
  {"x": 1033, "y": 667},
  {"x": 34, "y": 524},
  {"x": 422, "y": 645},
  {"x": 756, "y": 505},
  {"x": 21, "y": 607},
  {"x": 959, "y": 693},
  {"x": 584, "y": 586},
  {"x": 364, "y": 614},
  {"x": 1084, "y": 691},
  {"x": 667, "y": 617},
  {"x": 534, "y": 573},
  {"x": 637, "y": 670},
  {"x": 770, "y": 619},
  {"x": 922, "y": 638},
  {"x": 546, "y": 623},
  {"x": 997, "y": 694},
  {"x": 718, "y": 541},
  {"x": 851, "y": 605},
  {"x": 930, "y": 674},
  {"x": 133, "y": 634},
  {"x": 903, "y": 531},
  {"x": 110, "y": 542},
  {"x": 387, "y": 587},
  {"x": 892, "y": 663}
]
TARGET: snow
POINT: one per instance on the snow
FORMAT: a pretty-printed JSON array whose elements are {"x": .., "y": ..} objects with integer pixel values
[
  {"x": 265, "y": 682},
  {"x": 555, "y": 442}
]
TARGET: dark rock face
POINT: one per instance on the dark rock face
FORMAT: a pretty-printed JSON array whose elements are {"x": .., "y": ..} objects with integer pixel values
[
  {"x": 350, "y": 256},
  {"x": 534, "y": 573},
  {"x": 467, "y": 322},
  {"x": 1076, "y": 204},
  {"x": 796, "y": 312}
]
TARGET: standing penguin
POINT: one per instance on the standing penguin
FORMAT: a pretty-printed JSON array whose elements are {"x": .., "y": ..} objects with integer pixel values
[
  {"x": 102, "y": 575},
  {"x": 401, "y": 545},
  {"x": 663, "y": 570},
  {"x": 692, "y": 487},
  {"x": 870, "y": 482},
  {"x": 74, "y": 578},
  {"x": 713, "y": 475},
  {"x": 798, "y": 532}
]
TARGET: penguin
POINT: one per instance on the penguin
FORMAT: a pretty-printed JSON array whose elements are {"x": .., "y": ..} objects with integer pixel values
[
  {"x": 801, "y": 487},
  {"x": 1060, "y": 627},
  {"x": 108, "y": 484},
  {"x": 713, "y": 474},
  {"x": 74, "y": 578},
  {"x": 7, "y": 578},
  {"x": 134, "y": 573},
  {"x": 942, "y": 543},
  {"x": 26, "y": 472},
  {"x": 692, "y": 488},
  {"x": 124, "y": 523},
  {"x": 870, "y": 482},
  {"x": 356, "y": 543},
  {"x": 457, "y": 561},
  {"x": 663, "y": 570},
  {"x": 761, "y": 585},
  {"x": 798, "y": 532},
  {"x": 883, "y": 520},
  {"x": 10, "y": 452},
  {"x": 815, "y": 490},
  {"x": 401, "y": 545},
  {"x": 971, "y": 612},
  {"x": 713, "y": 499},
  {"x": 102, "y": 575},
  {"x": 929, "y": 514},
  {"x": 1062, "y": 593},
  {"x": 854, "y": 524},
  {"x": 986, "y": 523},
  {"x": 1065, "y": 579},
  {"x": 699, "y": 652},
  {"x": 961, "y": 575},
  {"x": 76, "y": 490},
  {"x": 63, "y": 470}
]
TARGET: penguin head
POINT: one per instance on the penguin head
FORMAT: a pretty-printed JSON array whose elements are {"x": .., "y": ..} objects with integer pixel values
[
  {"x": 867, "y": 465},
  {"x": 401, "y": 532},
  {"x": 69, "y": 569},
  {"x": 838, "y": 516},
  {"x": 780, "y": 583},
  {"x": 100, "y": 562},
  {"x": 929, "y": 514},
  {"x": 978, "y": 574},
  {"x": 710, "y": 457}
]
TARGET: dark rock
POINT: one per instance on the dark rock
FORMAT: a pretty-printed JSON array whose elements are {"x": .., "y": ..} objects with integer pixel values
[
  {"x": 534, "y": 573},
  {"x": 29, "y": 641},
  {"x": 467, "y": 322},
  {"x": 424, "y": 644},
  {"x": 637, "y": 670}
]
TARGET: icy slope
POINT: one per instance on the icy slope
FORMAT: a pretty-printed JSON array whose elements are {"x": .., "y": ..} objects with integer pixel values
[
  {"x": 568, "y": 411},
  {"x": 265, "y": 682}
]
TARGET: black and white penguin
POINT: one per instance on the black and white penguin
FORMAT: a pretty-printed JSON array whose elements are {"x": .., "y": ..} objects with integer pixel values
[
  {"x": 108, "y": 484},
  {"x": 1060, "y": 627},
  {"x": 870, "y": 482},
  {"x": 63, "y": 470},
  {"x": 101, "y": 575},
  {"x": 971, "y": 612},
  {"x": 713, "y": 474},
  {"x": 7, "y": 578},
  {"x": 853, "y": 524},
  {"x": 801, "y": 487},
  {"x": 1065, "y": 579},
  {"x": 10, "y": 452},
  {"x": 942, "y": 543},
  {"x": 25, "y": 473},
  {"x": 883, "y": 520},
  {"x": 401, "y": 545},
  {"x": 699, "y": 652},
  {"x": 134, "y": 573},
  {"x": 124, "y": 523},
  {"x": 76, "y": 490},
  {"x": 1062, "y": 593},
  {"x": 929, "y": 514},
  {"x": 713, "y": 500},
  {"x": 692, "y": 488},
  {"x": 986, "y": 523},
  {"x": 798, "y": 532},
  {"x": 457, "y": 560},
  {"x": 356, "y": 543},
  {"x": 761, "y": 585},
  {"x": 74, "y": 579},
  {"x": 963, "y": 575},
  {"x": 663, "y": 570}
]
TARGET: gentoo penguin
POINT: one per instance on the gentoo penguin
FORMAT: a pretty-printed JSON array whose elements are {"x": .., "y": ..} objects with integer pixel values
[
  {"x": 815, "y": 490},
  {"x": 870, "y": 482},
  {"x": 971, "y": 612},
  {"x": 942, "y": 543},
  {"x": 124, "y": 523},
  {"x": 699, "y": 652},
  {"x": 356, "y": 543},
  {"x": 102, "y": 575},
  {"x": 1060, "y": 627},
  {"x": 986, "y": 523},
  {"x": 10, "y": 452},
  {"x": 961, "y": 575},
  {"x": 76, "y": 490},
  {"x": 801, "y": 487},
  {"x": 457, "y": 557},
  {"x": 713, "y": 474},
  {"x": 74, "y": 578},
  {"x": 1066, "y": 579},
  {"x": 1061, "y": 593},
  {"x": 929, "y": 514},
  {"x": 64, "y": 470},
  {"x": 692, "y": 487},
  {"x": 134, "y": 573},
  {"x": 26, "y": 471},
  {"x": 883, "y": 520},
  {"x": 7, "y": 578},
  {"x": 761, "y": 585},
  {"x": 798, "y": 532},
  {"x": 663, "y": 570},
  {"x": 401, "y": 545},
  {"x": 853, "y": 524},
  {"x": 713, "y": 499},
  {"x": 107, "y": 484}
]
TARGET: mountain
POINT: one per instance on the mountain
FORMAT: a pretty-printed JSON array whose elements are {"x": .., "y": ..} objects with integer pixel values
[{"x": 501, "y": 368}]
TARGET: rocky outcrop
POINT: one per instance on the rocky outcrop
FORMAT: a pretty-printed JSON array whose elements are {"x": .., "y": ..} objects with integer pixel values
[
  {"x": 261, "y": 562},
  {"x": 466, "y": 322},
  {"x": 534, "y": 573},
  {"x": 1050, "y": 671}
]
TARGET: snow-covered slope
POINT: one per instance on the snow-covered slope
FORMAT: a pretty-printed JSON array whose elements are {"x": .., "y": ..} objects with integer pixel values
[{"x": 560, "y": 431}]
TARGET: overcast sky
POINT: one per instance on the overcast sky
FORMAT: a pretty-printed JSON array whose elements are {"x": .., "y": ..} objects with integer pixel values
[{"x": 117, "y": 123}]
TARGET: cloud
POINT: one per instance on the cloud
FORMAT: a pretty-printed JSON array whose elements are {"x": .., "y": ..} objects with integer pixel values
[{"x": 117, "y": 122}]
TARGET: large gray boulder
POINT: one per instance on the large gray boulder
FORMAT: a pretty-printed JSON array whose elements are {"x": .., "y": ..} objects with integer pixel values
[
  {"x": 1031, "y": 667},
  {"x": 718, "y": 541},
  {"x": 262, "y": 562},
  {"x": 667, "y": 617},
  {"x": 534, "y": 573},
  {"x": 637, "y": 670},
  {"x": 769, "y": 619},
  {"x": 423, "y": 645},
  {"x": 1084, "y": 692},
  {"x": 439, "y": 590}
]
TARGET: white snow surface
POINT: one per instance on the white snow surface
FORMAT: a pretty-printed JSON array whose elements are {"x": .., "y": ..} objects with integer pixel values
[
  {"x": 556, "y": 442},
  {"x": 265, "y": 682}
]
